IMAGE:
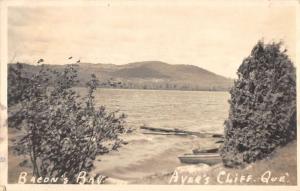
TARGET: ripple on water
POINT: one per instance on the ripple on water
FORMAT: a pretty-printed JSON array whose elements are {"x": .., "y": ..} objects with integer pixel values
[{"x": 148, "y": 154}]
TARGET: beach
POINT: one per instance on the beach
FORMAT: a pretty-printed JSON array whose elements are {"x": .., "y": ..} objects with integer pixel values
[{"x": 280, "y": 168}]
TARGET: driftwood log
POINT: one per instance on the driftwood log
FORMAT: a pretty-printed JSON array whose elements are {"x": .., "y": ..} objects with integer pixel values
[{"x": 169, "y": 131}]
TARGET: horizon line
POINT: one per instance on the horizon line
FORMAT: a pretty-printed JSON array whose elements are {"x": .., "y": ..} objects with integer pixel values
[{"x": 99, "y": 63}]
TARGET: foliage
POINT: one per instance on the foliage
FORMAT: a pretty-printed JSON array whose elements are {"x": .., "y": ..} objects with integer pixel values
[
  {"x": 262, "y": 106},
  {"x": 64, "y": 132},
  {"x": 18, "y": 84}
]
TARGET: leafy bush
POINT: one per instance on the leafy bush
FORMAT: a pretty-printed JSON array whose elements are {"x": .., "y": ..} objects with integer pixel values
[
  {"x": 262, "y": 106},
  {"x": 18, "y": 84},
  {"x": 64, "y": 132}
]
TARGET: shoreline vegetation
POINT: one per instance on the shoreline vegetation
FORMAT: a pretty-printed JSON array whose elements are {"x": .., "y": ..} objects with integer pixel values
[
  {"x": 62, "y": 131},
  {"x": 55, "y": 132},
  {"x": 262, "y": 114}
]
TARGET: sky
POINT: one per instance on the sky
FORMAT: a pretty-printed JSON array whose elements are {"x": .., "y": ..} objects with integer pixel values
[{"x": 216, "y": 37}]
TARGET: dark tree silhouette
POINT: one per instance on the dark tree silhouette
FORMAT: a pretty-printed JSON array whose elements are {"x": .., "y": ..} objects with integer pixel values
[{"x": 262, "y": 107}]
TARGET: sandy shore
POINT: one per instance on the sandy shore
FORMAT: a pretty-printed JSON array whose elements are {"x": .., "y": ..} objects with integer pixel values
[{"x": 278, "y": 169}]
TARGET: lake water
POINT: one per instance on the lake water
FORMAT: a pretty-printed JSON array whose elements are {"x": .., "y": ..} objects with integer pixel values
[{"x": 146, "y": 154}]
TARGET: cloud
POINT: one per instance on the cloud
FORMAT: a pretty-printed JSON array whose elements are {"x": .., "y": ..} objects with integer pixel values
[{"x": 216, "y": 37}]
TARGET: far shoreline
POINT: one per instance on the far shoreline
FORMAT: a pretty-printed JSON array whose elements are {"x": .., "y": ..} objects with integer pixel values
[{"x": 174, "y": 90}]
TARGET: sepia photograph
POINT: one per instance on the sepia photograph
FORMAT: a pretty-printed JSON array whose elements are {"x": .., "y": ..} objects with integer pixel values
[{"x": 149, "y": 93}]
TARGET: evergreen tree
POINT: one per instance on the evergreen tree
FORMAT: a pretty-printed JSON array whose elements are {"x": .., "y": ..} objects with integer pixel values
[{"x": 262, "y": 107}]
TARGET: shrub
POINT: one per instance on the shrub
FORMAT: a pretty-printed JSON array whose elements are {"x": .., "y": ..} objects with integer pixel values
[
  {"x": 18, "y": 84},
  {"x": 262, "y": 107},
  {"x": 64, "y": 132}
]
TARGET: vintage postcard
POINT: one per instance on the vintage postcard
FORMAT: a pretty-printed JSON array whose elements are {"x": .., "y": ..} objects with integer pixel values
[{"x": 152, "y": 95}]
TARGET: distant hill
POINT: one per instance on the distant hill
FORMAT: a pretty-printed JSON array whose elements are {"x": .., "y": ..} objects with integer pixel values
[{"x": 146, "y": 75}]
